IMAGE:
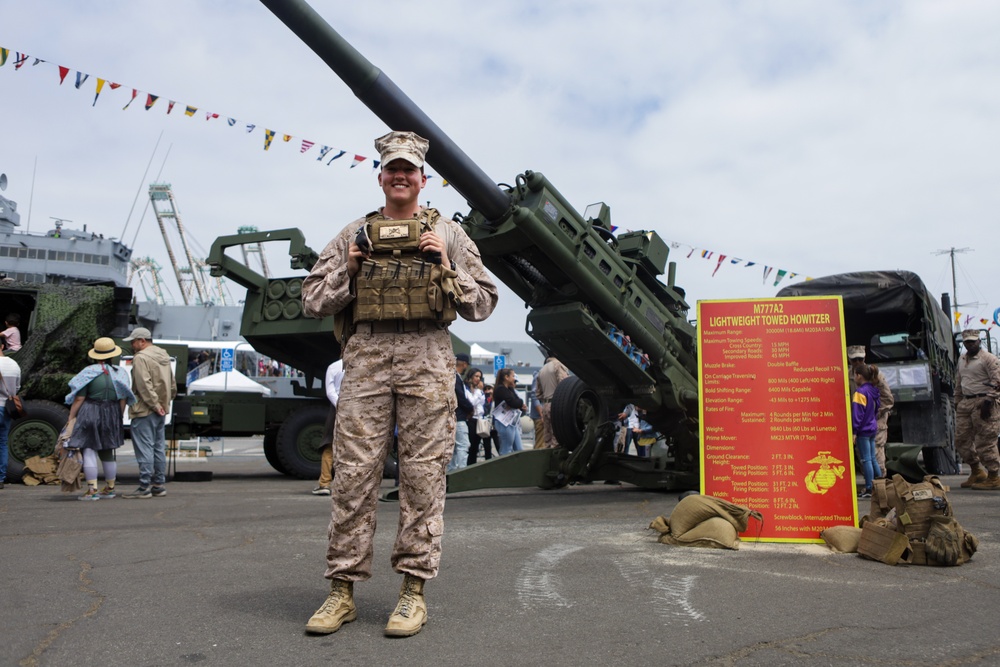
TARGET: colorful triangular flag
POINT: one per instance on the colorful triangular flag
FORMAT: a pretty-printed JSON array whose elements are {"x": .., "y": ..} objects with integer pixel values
[
  {"x": 135, "y": 93},
  {"x": 268, "y": 136},
  {"x": 97, "y": 93}
]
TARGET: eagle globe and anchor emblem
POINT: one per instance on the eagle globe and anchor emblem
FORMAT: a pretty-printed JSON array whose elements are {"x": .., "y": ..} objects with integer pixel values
[{"x": 823, "y": 479}]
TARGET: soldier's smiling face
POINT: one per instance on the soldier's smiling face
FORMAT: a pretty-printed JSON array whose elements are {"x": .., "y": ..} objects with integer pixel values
[{"x": 401, "y": 181}]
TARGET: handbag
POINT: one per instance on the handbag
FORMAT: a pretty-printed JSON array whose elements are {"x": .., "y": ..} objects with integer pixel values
[
  {"x": 14, "y": 407},
  {"x": 69, "y": 470},
  {"x": 484, "y": 425}
]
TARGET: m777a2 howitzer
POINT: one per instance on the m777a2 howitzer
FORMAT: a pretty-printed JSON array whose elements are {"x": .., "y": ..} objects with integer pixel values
[{"x": 595, "y": 301}]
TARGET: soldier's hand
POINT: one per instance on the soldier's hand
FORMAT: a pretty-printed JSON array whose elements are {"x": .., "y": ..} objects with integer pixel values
[
  {"x": 433, "y": 246},
  {"x": 355, "y": 257},
  {"x": 986, "y": 408}
]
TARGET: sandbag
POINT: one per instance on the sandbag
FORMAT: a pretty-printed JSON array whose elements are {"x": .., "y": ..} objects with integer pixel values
[
  {"x": 842, "y": 539},
  {"x": 714, "y": 533},
  {"x": 694, "y": 509},
  {"x": 704, "y": 521}
]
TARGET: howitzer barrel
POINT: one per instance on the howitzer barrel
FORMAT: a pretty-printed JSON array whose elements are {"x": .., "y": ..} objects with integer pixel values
[{"x": 392, "y": 105}]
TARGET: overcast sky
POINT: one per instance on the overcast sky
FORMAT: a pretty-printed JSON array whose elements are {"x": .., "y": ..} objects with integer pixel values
[{"x": 811, "y": 137}]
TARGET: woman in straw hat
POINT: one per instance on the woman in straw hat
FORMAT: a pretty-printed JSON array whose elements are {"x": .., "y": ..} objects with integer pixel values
[{"x": 98, "y": 395}]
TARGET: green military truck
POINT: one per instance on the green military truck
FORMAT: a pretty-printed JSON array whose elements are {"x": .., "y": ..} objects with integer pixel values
[
  {"x": 59, "y": 324},
  {"x": 909, "y": 337}
]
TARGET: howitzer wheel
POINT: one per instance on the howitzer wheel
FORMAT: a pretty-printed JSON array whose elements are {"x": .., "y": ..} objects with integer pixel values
[
  {"x": 35, "y": 434},
  {"x": 271, "y": 450},
  {"x": 575, "y": 406},
  {"x": 299, "y": 439}
]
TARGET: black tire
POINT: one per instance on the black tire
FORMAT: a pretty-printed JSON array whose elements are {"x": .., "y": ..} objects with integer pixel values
[
  {"x": 35, "y": 434},
  {"x": 574, "y": 407},
  {"x": 271, "y": 450},
  {"x": 299, "y": 440}
]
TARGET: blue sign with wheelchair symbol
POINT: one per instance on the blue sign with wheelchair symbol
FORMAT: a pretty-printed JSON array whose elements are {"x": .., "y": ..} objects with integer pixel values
[{"x": 226, "y": 361}]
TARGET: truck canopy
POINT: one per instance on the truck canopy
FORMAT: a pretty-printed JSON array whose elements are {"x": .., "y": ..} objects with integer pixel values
[{"x": 877, "y": 303}]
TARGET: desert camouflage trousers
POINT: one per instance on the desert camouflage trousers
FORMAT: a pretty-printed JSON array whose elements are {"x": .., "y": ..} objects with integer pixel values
[
  {"x": 548, "y": 437},
  {"x": 881, "y": 437},
  {"x": 404, "y": 379},
  {"x": 975, "y": 437}
]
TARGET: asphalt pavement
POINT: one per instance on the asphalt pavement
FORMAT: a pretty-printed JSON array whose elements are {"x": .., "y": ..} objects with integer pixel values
[{"x": 227, "y": 572}]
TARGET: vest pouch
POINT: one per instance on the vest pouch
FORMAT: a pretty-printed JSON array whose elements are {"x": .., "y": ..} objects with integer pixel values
[
  {"x": 442, "y": 293},
  {"x": 917, "y": 503},
  {"x": 394, "y": 236},
  {"x": 418, "y": 281},
  {"x": 369, "y": 285},
  {"x": 395, "y": 303}
]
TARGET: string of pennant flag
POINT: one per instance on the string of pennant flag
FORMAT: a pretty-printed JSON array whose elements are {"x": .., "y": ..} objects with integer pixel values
[
  {"x": 324, "y": 152},
  {"x": 965, "y": 320},
  {"x": 721, "y": 260}
]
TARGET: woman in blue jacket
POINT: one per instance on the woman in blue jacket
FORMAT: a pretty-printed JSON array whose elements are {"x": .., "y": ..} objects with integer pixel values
[{"x": 864, "y": 410}]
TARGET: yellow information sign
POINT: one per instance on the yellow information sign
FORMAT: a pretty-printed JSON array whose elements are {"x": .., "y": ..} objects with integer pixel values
[{"x": 775, "y": 414}]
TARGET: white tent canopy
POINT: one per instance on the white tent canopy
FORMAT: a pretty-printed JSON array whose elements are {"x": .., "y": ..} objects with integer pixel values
[
  {"x": 477, "y": 351},
  {"x": 228, "y": 381}
]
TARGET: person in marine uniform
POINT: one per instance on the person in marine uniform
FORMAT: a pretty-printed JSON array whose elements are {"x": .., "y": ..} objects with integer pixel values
[
  {"x": 393, "y": 280},
  {"x": 977, "y": 415}
]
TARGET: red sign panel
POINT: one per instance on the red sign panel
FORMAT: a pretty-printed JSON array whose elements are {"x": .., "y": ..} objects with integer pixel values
[{"x": 775, "y": 419}]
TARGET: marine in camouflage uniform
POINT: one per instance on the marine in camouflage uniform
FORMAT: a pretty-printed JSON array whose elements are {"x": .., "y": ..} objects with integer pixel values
[
  {"x": 552, "y": 373},
  {"x": 397, "y": 373},
  {"x": 977, "y": 413}
]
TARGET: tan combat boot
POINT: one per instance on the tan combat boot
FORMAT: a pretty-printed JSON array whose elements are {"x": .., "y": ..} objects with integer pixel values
[
  {"x": 338, "y": 609},
  {"x": 411, "y": 610},
  {"x": 978, "y": 475},
  {"x": 991, "y": 483}
]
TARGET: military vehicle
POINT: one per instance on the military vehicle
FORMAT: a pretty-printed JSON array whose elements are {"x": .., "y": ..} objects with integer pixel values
[
  {"x": 59, "y": 324},
  {"x": 595, "y": 299},
  {"x": 908, "y": 336},
  {"x": 69, "y": 288}
]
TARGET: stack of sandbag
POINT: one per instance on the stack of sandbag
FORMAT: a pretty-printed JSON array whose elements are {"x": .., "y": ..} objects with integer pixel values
[
  {"x": 40, "y": 470},
  {"x": 914, "y": 524},
  {"x": 703, "y": 521}
]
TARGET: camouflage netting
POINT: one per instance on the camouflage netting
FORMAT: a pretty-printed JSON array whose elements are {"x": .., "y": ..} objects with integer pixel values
[{"x": 67, "y": 321}]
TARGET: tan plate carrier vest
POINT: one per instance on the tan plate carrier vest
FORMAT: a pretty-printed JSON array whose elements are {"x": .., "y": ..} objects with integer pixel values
[{"x": 396, "y": 282}]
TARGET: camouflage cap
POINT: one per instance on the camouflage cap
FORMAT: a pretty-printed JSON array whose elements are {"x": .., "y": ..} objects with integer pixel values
[
  {"x": 970, "y": 334},
  {"x": 855, "y": 351},
  {"x": 402, "y": 145}
]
